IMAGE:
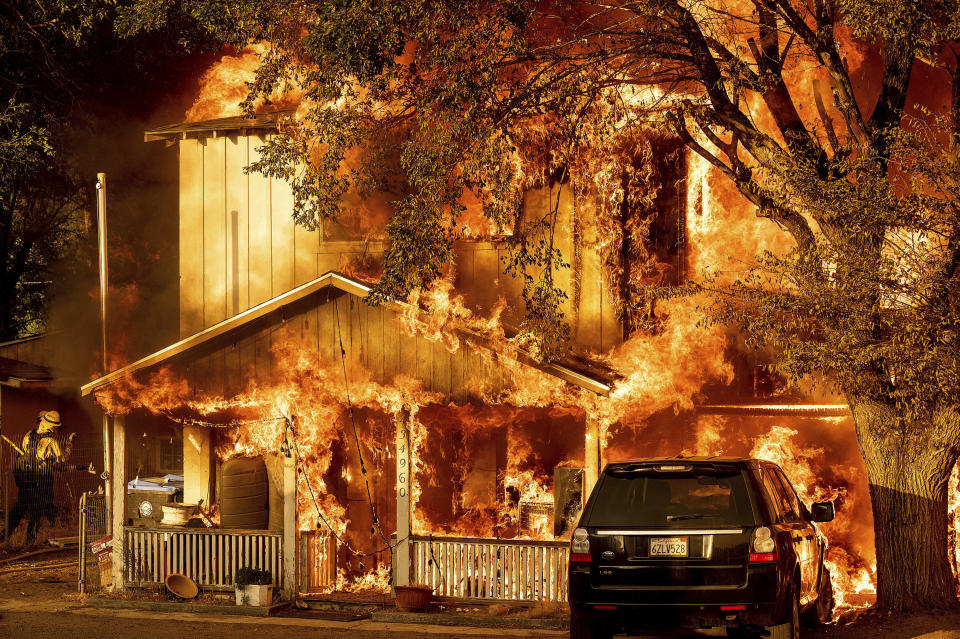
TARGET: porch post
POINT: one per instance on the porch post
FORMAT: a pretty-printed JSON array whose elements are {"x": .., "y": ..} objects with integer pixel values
[
  {"x": 107, "y": 473},
  {"x": 289, "y": 584},
  {"x": 197, "y": 466},
  {"x": 591, "y": 449},
  {"x": 119, "y": 496},
  {"x": 401, "y": 564}
]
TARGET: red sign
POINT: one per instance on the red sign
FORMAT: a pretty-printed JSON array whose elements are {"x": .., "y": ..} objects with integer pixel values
[{"x": 101, "y": 545}]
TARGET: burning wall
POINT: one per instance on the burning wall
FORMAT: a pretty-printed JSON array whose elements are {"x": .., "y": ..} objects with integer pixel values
[
  {"x": 481, "y": 464},
  {"x": 239, "y": 246}
]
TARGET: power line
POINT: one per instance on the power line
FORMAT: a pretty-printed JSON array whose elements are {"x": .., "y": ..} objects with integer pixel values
[
  {"x": 356, "y": 437},
  {"x": 316, "y": 504}
]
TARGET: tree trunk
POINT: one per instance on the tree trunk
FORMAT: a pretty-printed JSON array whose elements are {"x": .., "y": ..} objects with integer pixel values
[{"x": 908, "y": 467}]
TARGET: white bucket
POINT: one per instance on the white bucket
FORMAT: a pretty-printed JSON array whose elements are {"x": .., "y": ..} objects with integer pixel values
[{"x": 177, "y": 514}]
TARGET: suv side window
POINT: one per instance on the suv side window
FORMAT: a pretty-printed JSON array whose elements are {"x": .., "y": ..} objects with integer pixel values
[
  {"x": 789, "y": 508},
  {"x": 775, "y": 494},
  {"x": 795, "y": 505}
]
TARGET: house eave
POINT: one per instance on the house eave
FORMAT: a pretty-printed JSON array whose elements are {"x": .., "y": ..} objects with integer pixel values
[
  {"x": 263, "y": 122},
  {"x": 327, "y": 280}
]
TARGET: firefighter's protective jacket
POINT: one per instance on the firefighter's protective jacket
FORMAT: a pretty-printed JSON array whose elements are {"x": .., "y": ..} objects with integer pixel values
[{"x": 42, "y": 452}]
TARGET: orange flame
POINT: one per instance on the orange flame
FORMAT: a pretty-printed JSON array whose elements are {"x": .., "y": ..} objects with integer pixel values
[{"x": 226, "y": 83}]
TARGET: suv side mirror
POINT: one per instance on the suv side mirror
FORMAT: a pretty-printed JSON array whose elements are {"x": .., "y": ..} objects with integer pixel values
[{"x": 822, "y": 511}]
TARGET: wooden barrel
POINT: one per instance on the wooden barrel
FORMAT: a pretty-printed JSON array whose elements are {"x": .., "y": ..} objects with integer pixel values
[{"x": 245, "y": 494}]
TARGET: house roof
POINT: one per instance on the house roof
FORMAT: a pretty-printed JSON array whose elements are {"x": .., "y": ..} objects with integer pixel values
[
  {"x": 260, "y": 122},
  {"x": 574, "y": 375},
  {"x": 13, "y": 372}
]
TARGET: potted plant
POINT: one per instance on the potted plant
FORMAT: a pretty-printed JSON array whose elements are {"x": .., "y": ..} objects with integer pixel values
[
  {"x": 253, "y": 587},
  {"x": 413, "y": 598}
]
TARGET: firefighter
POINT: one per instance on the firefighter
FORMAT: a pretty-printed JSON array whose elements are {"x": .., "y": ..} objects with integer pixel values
[{"x": 33, "y": 472}]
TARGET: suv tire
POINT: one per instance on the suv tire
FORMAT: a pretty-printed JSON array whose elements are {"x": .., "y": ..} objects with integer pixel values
[
  {"x": 790, "y": 629},
  {"x": 582, "y": 629},
  {"x": 821, "y": 612}
]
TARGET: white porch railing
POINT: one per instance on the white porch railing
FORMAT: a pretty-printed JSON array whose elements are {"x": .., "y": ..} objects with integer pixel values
[
  {"x": 505, "y": 569},
  {"x": 209, "y": 557}
]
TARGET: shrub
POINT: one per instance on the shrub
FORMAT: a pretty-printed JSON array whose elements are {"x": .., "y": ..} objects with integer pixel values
[{"x": 248, "y": 576}]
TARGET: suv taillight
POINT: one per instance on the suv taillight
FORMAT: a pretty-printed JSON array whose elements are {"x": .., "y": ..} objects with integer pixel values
[
  {"x": 580, "y": 546},
  {"x": 762, "y": 545}
]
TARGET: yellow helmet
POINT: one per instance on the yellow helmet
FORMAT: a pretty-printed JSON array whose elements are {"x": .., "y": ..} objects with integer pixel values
[{"x": 49, "y": 420}]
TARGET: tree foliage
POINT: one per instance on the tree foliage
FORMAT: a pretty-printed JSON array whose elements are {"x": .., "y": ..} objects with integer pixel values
[
  {"x": 40, "y": 205},
  {"x": 58, "y": 58}
]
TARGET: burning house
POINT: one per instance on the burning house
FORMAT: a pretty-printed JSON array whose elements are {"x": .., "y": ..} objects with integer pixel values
[{"x": 339, "y": 444}]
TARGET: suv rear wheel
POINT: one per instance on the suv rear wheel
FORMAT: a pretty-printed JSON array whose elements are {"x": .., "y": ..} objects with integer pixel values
[
  {"x": 581, "y": 628},
  {"x": 791, "y": 628},
  {"x": 822, "y": 612}
]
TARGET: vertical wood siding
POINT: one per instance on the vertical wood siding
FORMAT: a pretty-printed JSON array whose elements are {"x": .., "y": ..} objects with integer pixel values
[
  {"x": 215, "y": 236},
  {"x": 191, "y": 237},
  {"x": 371, "y": 336},
  {"x": 239, "y": 247},
  {"x": 237, "y": 185},
  {"x": 260, "y": 276}
]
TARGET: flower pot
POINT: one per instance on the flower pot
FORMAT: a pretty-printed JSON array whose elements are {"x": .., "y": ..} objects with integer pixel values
[
  {"x": 413, "y": 598},
  {"x": 254, "y": 595},
  {"x": 181, "y": 586}
]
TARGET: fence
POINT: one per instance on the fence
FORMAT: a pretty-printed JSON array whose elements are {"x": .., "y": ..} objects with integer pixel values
[
  {"x": 519, "y": 570},
  {"x": 40, "y": 506},
  {"x": 209, "y": 557},
  {"x": 94, "y": 525},
  {"x": 318, "y": 562}
]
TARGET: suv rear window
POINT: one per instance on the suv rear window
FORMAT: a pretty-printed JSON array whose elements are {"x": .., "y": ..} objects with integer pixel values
[{"x": 689, "y": 500}]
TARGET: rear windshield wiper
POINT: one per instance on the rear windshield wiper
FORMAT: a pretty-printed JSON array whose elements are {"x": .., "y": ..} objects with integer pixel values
[{"x": 679, "y": 517}]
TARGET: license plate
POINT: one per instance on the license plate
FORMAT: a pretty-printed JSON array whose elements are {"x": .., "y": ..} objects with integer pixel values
[{"x": 669, "y": 547}]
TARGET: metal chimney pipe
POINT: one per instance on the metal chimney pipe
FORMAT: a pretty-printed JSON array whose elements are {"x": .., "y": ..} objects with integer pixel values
[
  {"x": 102, "y": 244},
  {"x": 102, "y": 238}
]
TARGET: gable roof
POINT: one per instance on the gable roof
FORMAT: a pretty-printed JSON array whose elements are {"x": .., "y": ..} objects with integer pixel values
[
  {"x": 15, "y": 373},
  {"x": 593, "y": 382},
  {"x": 182, "y": 130}
]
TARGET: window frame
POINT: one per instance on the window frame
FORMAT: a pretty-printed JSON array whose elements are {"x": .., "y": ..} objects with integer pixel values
[
  {"x": 781, "y": 503},
  {"x": 792, "y": 495}
]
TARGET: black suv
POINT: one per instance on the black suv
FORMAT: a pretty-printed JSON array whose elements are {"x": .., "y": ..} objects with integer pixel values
[{"x": 695, "y": 542}]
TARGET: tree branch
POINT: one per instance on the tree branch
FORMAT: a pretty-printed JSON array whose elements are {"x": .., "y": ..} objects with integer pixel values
[
  {"x": 893, "y": 94},
  {"x": 775, "y": 93},
  {"x": 793, "y": 222},
  {"x": 822, "y": 43},
  {"x": 825, "y": 118}
]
